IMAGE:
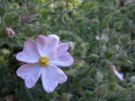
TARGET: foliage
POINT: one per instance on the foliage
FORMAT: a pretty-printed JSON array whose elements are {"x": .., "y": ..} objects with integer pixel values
[{"x": 100, "y": 33}]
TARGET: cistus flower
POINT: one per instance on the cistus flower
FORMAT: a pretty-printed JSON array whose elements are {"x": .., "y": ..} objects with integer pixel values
[{"x": 42, "y": 58}]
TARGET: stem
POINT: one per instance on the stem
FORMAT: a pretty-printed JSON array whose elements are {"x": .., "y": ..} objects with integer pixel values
[
  {"x": 49, "y": 3},
  {"x": 29, "y": 95}
]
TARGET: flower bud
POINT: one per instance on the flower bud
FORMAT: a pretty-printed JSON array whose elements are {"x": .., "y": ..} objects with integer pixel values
[{"x": 10, "y": 32}]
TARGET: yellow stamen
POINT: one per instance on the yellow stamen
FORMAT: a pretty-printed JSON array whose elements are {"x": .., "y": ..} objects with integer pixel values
[{"x": 43, "y": 61}]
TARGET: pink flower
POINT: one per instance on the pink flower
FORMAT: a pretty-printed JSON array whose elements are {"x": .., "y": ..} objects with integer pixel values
[{"x": 42, "y": 58}]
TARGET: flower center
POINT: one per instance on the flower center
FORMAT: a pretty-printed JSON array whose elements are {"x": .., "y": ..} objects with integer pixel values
[{"x": 43, "y": 61}]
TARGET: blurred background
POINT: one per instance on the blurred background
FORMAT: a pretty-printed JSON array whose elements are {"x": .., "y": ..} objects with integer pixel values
[{"x": 101, "y": 36}]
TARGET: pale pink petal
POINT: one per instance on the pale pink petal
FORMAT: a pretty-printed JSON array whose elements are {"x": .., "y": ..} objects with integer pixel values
[
  {"x": 52, "y": 76},
  {"x": 115, "y": 71},
  {"x": 54, "y": 38},
  {"x": 62, "y": 60},
  {"x": 53, "y": 44},
  {"x": 29, "y": 53},
  {"x": 119, "y": 75},
  {"x": 41, "y": 43},
  {"x": 47, "y": 44},
  {"x": 61, "y": 57},
  {"x": 62, "y": 48},
  {"x": 30, "y": 73}
]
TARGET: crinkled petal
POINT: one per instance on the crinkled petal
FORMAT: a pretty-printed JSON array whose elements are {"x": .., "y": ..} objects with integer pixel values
[
  {"x": 47, "y": 44},
  {"x": 62, "y": 60},
  {"x": 41, "y": 43},
  {"x": 29, "y": 53},
  {"x": 62, "y": 48},
  {"x": 30, "y": 73},
  {"x": 52, "y": 76},
  {"x": 118, "y": 74},
  {"x": 61, "y": 57}
]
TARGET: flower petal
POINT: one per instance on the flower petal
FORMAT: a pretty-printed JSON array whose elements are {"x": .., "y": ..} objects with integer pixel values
[
  {"x": 47, "y": 44},
  {"x": 119, "y": 75},
  {"x": 61, "y": 57},
  {"x": 62, "y": 48},
  {"x": 52, "y": 76},
  {"x": 62, "y": 60},
  {"x": 29, "y": 53},
  {"x": 30, "y": 73}
]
